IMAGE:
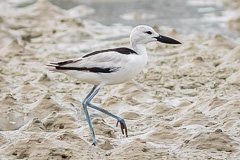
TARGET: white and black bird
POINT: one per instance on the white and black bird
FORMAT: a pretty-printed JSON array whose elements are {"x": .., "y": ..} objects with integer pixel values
[{"x": 111, "y": 66}]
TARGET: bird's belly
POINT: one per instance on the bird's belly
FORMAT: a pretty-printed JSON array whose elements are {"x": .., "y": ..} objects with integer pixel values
[{"x": 124, "y": 74}]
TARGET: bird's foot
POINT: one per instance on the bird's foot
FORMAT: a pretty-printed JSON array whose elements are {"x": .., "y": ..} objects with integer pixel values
[
  {"x": 123, "y": 126},
  {"x": 95, "y": 143}
]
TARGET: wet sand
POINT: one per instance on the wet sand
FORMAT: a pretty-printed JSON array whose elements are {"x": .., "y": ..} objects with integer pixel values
[{"x": 184, "y": 105}]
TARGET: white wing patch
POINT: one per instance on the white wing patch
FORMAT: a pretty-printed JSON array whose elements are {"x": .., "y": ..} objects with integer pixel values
[{"x": 104, "y": 60}]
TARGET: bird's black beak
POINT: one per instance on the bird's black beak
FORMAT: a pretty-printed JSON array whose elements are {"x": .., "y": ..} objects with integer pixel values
[{"x": 167, "y": 40}]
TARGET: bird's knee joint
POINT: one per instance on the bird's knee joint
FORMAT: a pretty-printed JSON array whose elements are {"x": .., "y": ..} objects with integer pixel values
[
  {"x": 121, "y": 120},
  {"x": 84, "y": 103}
]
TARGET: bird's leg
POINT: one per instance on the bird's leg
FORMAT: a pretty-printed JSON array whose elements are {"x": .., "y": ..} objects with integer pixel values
[
  {"x": 84, "y": 103},
  {"x": 119, "y": 119}
]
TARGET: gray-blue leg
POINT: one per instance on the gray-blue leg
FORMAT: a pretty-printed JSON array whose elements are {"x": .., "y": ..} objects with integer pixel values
[
  {"x": 120, "y": 120},
  {"x": 84, "y": 103}
]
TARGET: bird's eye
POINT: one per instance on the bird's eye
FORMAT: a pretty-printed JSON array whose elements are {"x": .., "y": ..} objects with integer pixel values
[{"x": 148, "y": 32}]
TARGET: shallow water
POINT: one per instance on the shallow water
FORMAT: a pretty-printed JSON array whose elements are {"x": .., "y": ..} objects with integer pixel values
[{"x": 186, "y": 16}]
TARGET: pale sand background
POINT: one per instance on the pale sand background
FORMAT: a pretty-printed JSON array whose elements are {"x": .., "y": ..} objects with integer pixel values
[{"x": 184, "y": 105}]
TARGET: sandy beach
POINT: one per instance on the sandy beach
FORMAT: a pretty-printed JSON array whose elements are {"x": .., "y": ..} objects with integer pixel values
[{"x": 184, "y": 105}]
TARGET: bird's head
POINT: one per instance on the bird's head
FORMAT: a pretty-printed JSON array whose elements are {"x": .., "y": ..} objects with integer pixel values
[{"x": 143, "y": 34}]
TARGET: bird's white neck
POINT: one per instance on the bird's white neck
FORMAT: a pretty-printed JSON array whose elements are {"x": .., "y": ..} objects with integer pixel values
[
  {"x": 140, "y": 49},
  {"x": 142, "y": 54}
]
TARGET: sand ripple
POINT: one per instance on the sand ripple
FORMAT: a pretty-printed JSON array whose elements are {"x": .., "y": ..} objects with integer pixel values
[{"x": 184, "y": 105}]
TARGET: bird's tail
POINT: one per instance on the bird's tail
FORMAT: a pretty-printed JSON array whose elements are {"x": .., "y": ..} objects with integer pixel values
[{"x": 53, "y": 69}]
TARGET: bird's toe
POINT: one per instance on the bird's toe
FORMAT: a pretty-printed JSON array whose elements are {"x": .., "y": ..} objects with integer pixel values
[
  {"x": 123, "y": 126},
  {"x": 95, "y": 143}
]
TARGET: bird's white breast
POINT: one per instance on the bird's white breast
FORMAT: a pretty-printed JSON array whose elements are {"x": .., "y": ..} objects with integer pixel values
[{"x": 134, "y": 64}]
